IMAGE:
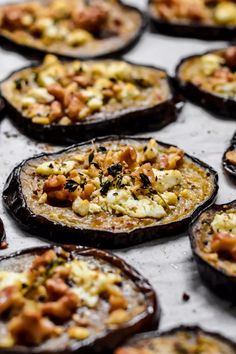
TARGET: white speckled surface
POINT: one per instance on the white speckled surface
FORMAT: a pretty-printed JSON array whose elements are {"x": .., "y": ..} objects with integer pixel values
[{"x": 166, "y": 263}]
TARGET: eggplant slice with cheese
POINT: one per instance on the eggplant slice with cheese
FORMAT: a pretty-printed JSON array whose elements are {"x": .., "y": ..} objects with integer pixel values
[
  {"x": 71, "y": 300},
  {"x": 229, "y": 158},
  {"x": 111, "y": 192},
  {"x": 209, "y": 80},
  {"x": 77, "y": 29},
  {"x": 179, "y": 340},
  {"x": 203, "y": 19},
  {"x": 68, "y": 102},
  {"x": 213, "y": 241}
]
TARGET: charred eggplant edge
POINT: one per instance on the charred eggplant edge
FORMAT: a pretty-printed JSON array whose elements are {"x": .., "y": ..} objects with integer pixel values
[
  {"x": 191, "y": 30},
  {"x": 16, "y": 205},
  {"x": 216, "y": 279},
  {"x": 149, "y": 318},
  {"x": 32, "y": 52},
  {"x": 153, "y": 118},
  {"x": 219, "y": 106},
  {"x": 173, "y": 331},
  {"x": 2, "y": 235},
  {"x": 228, "y": 167},
  {"x": 2, "y": 108}
]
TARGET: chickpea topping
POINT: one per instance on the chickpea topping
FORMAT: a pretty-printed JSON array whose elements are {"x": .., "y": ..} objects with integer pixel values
[
  {"x": 78, "y": 333},
  {"x": 118, "y": 317}
]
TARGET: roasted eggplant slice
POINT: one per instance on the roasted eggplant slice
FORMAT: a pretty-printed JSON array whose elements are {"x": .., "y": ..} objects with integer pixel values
[
  {"x": 213, "y": 241},
  {"x": 78, "y": 29},
  {"x": 3, "y": 243},
  {"x": 110, "y": 192},
  {"x": 229, "y": 158},
  {"x": 71, "y": 300},
  {"x": 209, "y": 80},
  {"x": 203, "y": 19},
  {"x": 183, "y": 339},
  {"x": 74, "y": 101}
]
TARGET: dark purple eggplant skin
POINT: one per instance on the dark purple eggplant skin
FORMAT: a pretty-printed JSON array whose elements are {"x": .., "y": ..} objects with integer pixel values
[
  {"x": 149, "y": 319},
  {"x": 175, "y": 330},
  {"x": 2, "y": 108},
  {"x": 34, "y": 53},
  {"x": 2, "y": 235},
  {"x": 148, "y": 119},
  {"x": 16, "y": 205},
  {"x": 228, "y": 167},
  {"x": 191, "y": 29},
  {"x": 218, "y": 106},
  {"x": 221, "y": 283}
]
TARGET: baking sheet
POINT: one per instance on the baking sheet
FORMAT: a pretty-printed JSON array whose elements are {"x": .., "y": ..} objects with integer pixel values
[{"x": 167, "y": 263}]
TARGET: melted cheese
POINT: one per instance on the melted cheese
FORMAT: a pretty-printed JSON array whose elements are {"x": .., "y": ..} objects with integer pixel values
[
  {"x": 122, "y": 202},
  {"x": 90, "y": 282},
  {"x": 225, "y": 223},
  {"x": 167, "y": 179},
  {"x": 54, "y": 168},
  {"x": 12, "y": 279}
]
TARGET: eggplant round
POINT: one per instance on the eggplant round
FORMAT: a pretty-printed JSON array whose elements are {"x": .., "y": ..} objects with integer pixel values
[
  {"x": 217, "y": 103},
  {"x": 115, "y": 228},
  {"x": 215, "y": 269},
  {"x": 183, "y": 339},
  {"x": 190, "y": 29},
  {"x": 3, "y": 243},
  {"x": 228, "y": 163},
  {"x": 107, "y": 42},
  {"x": 158, "y": 105},
  {"x": 100, "y": 339}
]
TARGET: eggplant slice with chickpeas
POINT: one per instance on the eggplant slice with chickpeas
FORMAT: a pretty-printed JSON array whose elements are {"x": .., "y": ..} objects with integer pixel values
[
  {"x": 68, "y": 102},
  {"x": 203, "y": 19},
  {"x": 71, "y": 300},
  {"x": 77, "y": 29},
  {"x": 209, "y": 80},
  {"x": 229, "y": 158},
  {"x": 179, "y": 340},
  {"x": 213, "y": 241},
  {"x": 110, "y": 192}
]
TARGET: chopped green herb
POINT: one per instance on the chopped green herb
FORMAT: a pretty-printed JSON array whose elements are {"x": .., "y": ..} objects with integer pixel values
[
  {"x": 91, "y": 157},
  {"x": 102, "y": 149},
  {"x": 115, "y": 169},
  {"x": 145, "y": 180},
  {"x": 105, "y": 188},
  {"x": 71, "y": 185}
]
